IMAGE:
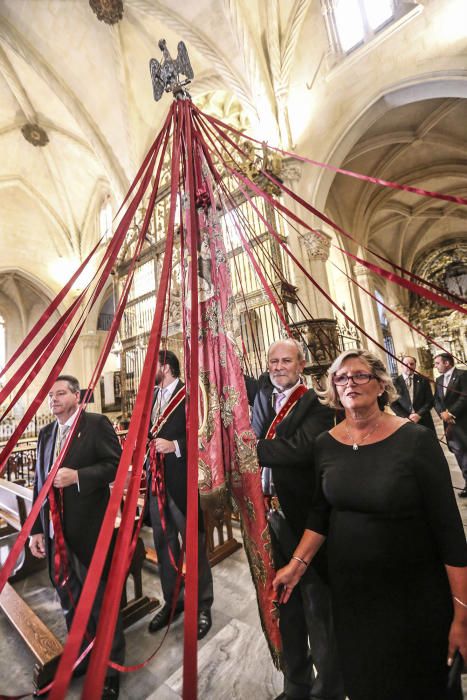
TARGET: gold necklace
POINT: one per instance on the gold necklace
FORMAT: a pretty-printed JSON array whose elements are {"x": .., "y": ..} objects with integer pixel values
[{"x": 352, "y": 439}]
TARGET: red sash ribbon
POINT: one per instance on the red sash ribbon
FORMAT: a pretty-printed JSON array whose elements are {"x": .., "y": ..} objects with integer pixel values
[
  {"x": 157, "y": 463},
  {"x": 60, "y": 562},
  {"x": 285, "y": 410}
]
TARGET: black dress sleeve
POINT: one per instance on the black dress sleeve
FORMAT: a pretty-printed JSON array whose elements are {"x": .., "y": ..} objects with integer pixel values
[
  {"x": 434, "y": 480},
  {"x": 320, "y": 509}
]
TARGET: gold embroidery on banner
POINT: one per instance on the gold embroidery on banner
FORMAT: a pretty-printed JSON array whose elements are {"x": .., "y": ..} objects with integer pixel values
[
  {"x": 257, "y": 566},
  {"x": 250, "y": 509},
  {"x": 213, "y": 406},
  {"x": 245, "y": 452},
  {"x": 204, "y": 476},
  {"x": 212, "y": 317},
  {"x": 228, "y": 401}
]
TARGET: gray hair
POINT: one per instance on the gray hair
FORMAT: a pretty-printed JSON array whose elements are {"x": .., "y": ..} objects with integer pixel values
[
  {"x": 330, "y": 397},
  {"x": 290, "y": 341}
]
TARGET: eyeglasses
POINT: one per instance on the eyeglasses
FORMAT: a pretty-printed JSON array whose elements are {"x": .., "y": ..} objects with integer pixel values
[{"x": 359, "y": 378}]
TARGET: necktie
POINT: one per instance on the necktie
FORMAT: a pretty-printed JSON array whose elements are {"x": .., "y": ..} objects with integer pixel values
[
  {"x": 446, "y": 384},
  {"x": 159, "y": 404},
  {"x": 409, "y": 382},
  {"x": 61, "y": 437},
  {"x": 279, "y": 401}
]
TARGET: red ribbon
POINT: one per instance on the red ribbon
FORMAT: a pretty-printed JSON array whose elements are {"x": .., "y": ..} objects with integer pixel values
[
  {"x": 375, "y": 180},
  {"x": 314, "y": 211}
]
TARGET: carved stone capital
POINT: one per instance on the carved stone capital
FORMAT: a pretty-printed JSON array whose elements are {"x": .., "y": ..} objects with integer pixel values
[
  {"x": 317, "y": 245},
  {"x": 90, "y": 340},
  {"x": 361, "y": 271},
  {"x": 291, "y": 170}
]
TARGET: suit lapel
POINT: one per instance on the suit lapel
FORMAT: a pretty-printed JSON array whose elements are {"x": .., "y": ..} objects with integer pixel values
[
  {"x": 451, "y": 386},
  {"x": 49, "y": 444},
  {"x": 404, "y": 393}
]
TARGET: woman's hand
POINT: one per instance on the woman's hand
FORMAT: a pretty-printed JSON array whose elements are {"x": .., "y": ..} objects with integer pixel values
[
  {"x": 457, "y": 639},
  {"x": 287, "y": 578}
]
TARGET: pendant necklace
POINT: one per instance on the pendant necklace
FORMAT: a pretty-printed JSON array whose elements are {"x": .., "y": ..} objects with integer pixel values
[{"x": 352, "y": 439}]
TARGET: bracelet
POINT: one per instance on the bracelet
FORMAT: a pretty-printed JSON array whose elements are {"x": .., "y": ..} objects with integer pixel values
[
  {"x": 305, "y": 563},
  {"x": 464, "y": 605}
]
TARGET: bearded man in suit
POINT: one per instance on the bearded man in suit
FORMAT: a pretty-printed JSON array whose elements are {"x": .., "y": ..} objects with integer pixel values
[
  {"x": 415, "y": 399},
  {"x": 451, "y": 405},
  {"x": 286, "y": 418},
  {"x": 167, "y": 484},
  {"x": 77, "y": 507}
]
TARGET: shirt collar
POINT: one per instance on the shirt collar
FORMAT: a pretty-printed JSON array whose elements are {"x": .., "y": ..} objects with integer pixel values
[
  {"x": 170, "y": 388},
  {"x": 287, "y": 392},
  {"x": 71, "y": 419},
  {"x": 447, "y": 376}
]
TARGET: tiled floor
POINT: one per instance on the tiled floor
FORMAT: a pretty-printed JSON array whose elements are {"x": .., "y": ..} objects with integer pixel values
[{"x": 233, "y": 659}]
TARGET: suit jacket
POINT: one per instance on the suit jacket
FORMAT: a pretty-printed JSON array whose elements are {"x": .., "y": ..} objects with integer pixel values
[
  {"x": 455, "y": 400},
  {"x": 423, "y": 400},
  {"x": 289, "y": 454},
  {"x": 175, "y": 468},
  {"x": 95, "y": 453}
]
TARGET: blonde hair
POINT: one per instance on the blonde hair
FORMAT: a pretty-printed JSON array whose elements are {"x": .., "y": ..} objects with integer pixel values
[{"x": 330, "y": 397}]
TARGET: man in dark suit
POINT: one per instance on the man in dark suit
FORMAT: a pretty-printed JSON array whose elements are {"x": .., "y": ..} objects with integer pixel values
[
  {"x": 167, "y": 501},
  {"x": 81, "y": 493},
  {"x": 415, "y": 399},
  {"x": 451, "y": 405},
  {"x": 286, "y": 419}
]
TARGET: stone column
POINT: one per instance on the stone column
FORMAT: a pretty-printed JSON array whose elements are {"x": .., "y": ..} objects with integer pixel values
[
  {"x": 369, "y": 320},
  {"x": 89, "y": 343},
  {"x": 291, "y": 173},
  {"x": 402, "y": 335},
  {"x": 317, "y": 246},
  {"x": 312, "y": 250}
]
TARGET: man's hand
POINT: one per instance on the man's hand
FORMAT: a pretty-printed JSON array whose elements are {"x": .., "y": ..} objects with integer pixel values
[
  {"x": 164, "y": 446},
  {"x": 65, "y": 477},
  {"x": 414, "y": 417},
  {"x": 447, "y": 417},
  {"x": 37, "y": 546}
]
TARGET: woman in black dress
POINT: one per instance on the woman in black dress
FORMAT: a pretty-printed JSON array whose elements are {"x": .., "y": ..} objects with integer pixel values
[{"x": 396, "y": 547}]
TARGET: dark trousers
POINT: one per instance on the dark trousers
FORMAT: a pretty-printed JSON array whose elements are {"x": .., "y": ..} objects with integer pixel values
[
  {"x": 69, "y": 596},
  {"x": 175, "y": 523},
  {"x": 307, "y": 632},
  {"x": 457, "y": 443}
]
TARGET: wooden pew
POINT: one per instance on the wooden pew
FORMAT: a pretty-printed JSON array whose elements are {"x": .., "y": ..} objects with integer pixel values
[
  {"x": 44, "y": 645},
  {"x": 15, "y": 505}
]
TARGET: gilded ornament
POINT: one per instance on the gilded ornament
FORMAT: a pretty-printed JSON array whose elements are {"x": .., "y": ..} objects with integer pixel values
[{"x": 108, "y": 11}]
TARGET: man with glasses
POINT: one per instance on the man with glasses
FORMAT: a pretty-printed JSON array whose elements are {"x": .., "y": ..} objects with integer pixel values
[
  {"x": 71, "y": 517},
  {"x": 415, "y": 399},
  {"x": 286, "y": 418}
]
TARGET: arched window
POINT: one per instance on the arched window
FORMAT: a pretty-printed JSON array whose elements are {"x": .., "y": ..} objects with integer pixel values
[
  {"x": 105, "y": 219},
  {"x": 2, "y": 343},
  {"x": 353, "y": 23},
  {"x": 387, "y": 336}
]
